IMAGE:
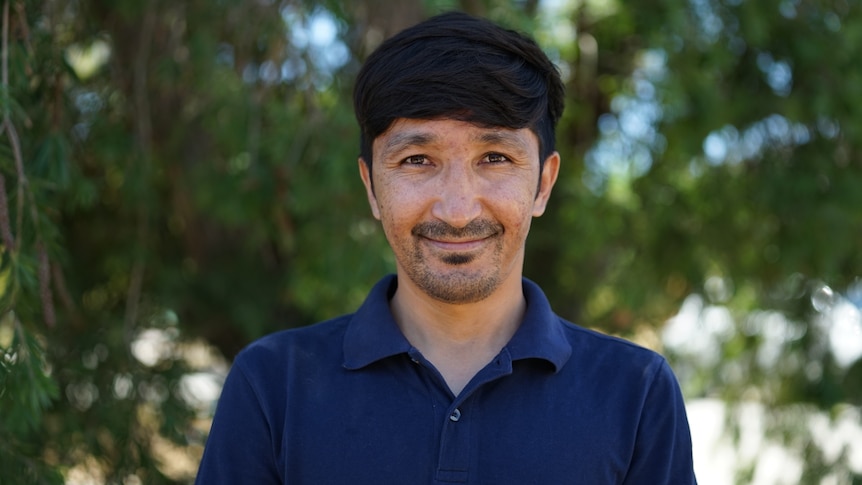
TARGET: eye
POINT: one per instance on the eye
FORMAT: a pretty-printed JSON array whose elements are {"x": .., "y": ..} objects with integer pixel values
[
  {"x": 416, "y": 160},
  {"x": 495, "y": 158}
]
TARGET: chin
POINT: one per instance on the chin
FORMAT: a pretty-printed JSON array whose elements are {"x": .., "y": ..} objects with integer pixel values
[{"x": 458, "y": 285}]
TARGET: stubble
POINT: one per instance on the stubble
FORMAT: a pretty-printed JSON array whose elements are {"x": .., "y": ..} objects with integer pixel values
[{"x": 455, "y": 282}]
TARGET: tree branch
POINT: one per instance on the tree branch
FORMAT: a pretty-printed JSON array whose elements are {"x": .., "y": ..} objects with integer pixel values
[
  {"x": 44, "y": 272},
  {"x": 145, "y": 135},
  {"x": 11, "y": 133},
  {"x": 62, "y": 291},
  {"x": 5, "y": 228},
  {"x": 45, "y": 285},
  {"x": 5, "y": 223}
]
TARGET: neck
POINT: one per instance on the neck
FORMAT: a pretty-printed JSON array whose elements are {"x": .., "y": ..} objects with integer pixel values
[{"x": 459, "y": 339}]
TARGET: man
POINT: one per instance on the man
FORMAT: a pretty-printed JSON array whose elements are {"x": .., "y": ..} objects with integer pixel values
[{"x": 454, "y": 370}]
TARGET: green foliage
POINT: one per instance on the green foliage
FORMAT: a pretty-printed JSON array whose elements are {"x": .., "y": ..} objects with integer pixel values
[{"x": 180, "y": 178}]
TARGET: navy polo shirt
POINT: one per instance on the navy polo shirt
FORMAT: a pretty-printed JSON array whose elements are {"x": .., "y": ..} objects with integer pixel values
[{"x": 350, "y": 401}]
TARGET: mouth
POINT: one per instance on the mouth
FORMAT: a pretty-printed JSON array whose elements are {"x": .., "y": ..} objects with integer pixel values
[
  {"x": 457, "y": 245},
  {"x": 444, "y": 237}
]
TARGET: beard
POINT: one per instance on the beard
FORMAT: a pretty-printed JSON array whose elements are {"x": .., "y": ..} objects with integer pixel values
[{"x": 455, "y": 283}]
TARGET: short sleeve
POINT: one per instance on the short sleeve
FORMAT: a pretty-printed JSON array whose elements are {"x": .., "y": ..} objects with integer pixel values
[
  {"x": 662, "y": 453},
  {"x": 240, "y": 445}
]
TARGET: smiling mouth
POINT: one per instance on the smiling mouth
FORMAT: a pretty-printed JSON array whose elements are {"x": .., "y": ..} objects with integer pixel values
[
  {"x": 466, "y": 245},
  {"x": 457, "y": 246},
  {"x": 448, "y": 238},
  {"x": 456, "y": 253}
]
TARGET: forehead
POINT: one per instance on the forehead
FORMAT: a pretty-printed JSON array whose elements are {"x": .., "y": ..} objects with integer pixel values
[{"x": 404, "y": 133}]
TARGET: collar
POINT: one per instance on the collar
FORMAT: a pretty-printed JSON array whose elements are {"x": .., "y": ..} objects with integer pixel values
[{"x": 373, "y": 335}]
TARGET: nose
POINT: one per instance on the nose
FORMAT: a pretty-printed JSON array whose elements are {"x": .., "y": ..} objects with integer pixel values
[{"x": 457, "y": 196}]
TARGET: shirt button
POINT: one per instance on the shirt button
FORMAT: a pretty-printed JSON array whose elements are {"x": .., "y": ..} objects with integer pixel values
[{"x": 455, "y": 416}]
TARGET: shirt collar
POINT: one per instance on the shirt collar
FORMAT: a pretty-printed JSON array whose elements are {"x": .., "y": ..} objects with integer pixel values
[
  {"x": 373, "y": 335},
  {"x": 540, "y": 335}
]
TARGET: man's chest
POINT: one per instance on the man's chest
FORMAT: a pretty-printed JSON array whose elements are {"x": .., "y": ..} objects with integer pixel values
[{"x": 512, "y": 430}]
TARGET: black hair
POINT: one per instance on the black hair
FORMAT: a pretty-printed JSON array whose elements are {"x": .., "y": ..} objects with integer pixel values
[{"x": 461, "y": 67}]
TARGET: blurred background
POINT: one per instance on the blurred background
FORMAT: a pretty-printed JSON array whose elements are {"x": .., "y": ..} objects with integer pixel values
[{"x": 178, "y": 178}]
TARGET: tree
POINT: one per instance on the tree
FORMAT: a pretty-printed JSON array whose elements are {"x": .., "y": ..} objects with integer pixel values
[{"x": 180, "y": 178}]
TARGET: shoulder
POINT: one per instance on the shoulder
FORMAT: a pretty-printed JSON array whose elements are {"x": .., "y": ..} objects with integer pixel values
[
  {"x": 613, "y": 373},
  {"x": 295, "y": 345},
  {"x": 582, "y": 336},
  {"x": 612, "y": 356}
]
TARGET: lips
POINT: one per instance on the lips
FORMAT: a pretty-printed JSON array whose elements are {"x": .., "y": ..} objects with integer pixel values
[
  {"x": 459, "y": 239},
  {"x": 457, "y": 245}
]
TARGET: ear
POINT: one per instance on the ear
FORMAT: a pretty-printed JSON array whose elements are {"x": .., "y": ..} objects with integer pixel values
[
  {"x": 547, "y": 179},
  {"x": 365, "y": 175}
]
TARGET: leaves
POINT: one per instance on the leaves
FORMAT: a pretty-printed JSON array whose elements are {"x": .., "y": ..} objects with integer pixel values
[{"x": 198, "y": 189}]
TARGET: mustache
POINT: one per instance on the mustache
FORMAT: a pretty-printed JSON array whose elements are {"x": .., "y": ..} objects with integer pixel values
[{"x": 476, "y": 229}]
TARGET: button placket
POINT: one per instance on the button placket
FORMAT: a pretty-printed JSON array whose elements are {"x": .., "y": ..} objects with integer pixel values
[{"x": 455, "y": 447}]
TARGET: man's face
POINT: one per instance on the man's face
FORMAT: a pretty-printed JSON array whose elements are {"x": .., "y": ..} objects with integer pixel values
[{"x": 456, "y": 201}]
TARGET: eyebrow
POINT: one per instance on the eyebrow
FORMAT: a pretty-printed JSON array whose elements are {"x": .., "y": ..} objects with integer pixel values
[
  {"x": 504, "y": 138},
  {"x": 512, "y": 142},
  {"x": 401, "y": 141}
]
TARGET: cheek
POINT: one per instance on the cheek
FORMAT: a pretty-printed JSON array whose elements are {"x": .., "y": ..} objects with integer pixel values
[
  {"x": 515, "y": 203},
  {"x": 398, "y": 209}
]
